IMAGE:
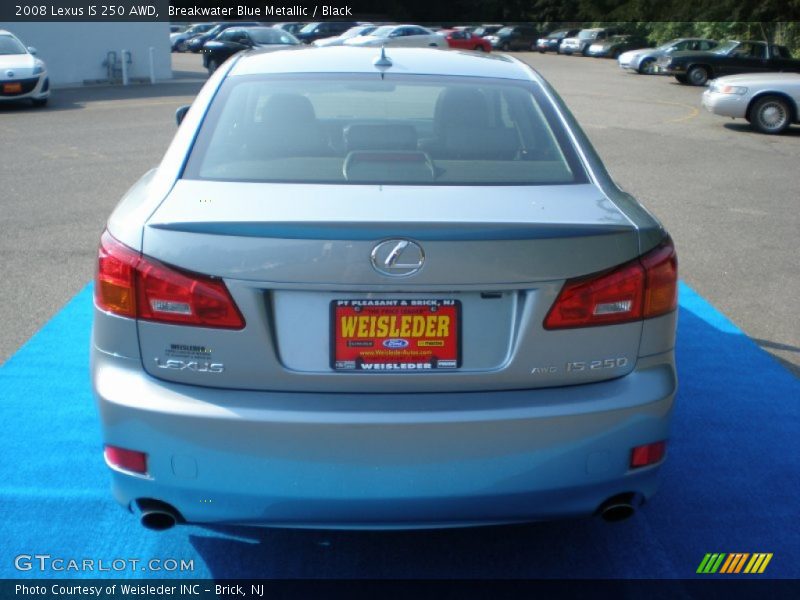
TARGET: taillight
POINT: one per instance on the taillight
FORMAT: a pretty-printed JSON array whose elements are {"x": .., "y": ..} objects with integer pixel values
[
  {"x": 132, "y": 285},
  {"x": 643, "y": 288}
]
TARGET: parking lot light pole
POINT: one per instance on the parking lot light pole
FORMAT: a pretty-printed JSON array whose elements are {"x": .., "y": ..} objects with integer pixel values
[{"x": 152, "y": 65}]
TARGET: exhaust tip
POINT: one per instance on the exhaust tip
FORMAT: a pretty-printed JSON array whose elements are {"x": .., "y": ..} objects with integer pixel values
[
  {"x": 158, "y": 521},
  {"x": 618, "y": 508},
  {"x": 156, "y": 515}
]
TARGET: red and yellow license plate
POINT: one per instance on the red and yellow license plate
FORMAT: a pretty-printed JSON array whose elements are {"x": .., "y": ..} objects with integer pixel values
[
  {"x": 395, "y": 335},
  {"x": 12, "y": 88}
]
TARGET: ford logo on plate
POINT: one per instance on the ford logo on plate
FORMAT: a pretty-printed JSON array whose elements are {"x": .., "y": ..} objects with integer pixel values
[{"x": 395, "y": 343}]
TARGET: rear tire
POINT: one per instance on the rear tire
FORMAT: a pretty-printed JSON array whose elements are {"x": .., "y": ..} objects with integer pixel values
[
  {"x": 212, "y": 66},
  {"x": 39, "y": 102},
  {"x": 697, "y": 75},
  {"x": 585, "y": 51},
  {"x": 770, "y": 115},
  {"x": 479, "y": 49},
  {"x": 682, "y": 79},
  {"x": 505, "y": 47},
  {"x": 647, "y": 66}
]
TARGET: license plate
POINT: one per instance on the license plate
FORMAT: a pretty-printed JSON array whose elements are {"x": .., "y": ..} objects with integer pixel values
[
  {"x": 12, "y": 88},
  {"x": 397, "y": 336}
]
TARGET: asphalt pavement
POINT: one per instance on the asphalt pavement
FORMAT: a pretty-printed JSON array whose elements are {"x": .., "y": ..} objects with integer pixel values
[{"x": 728, "y": 196}]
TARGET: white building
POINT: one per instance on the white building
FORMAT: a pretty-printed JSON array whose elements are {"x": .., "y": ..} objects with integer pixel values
[{"x": 75, "y": 53}]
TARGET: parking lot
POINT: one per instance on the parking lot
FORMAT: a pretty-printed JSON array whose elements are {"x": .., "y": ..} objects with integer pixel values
[{"x": 727, "y": 195}]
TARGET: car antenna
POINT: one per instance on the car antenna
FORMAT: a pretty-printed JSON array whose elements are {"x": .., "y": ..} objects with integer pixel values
[{"x": 383, "y": 61}]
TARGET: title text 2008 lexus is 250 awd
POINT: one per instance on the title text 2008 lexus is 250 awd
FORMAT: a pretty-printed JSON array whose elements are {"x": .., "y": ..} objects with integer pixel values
[{"x": 368, "y": 290}]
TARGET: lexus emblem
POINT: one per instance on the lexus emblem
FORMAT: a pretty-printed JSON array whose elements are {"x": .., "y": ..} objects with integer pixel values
[{"x": 397, "y": 258}]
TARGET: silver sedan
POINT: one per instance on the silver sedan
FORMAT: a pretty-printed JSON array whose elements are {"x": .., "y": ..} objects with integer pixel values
[
  {"x": 643, "y": 61},
  {"x": 409, "y": 36},
  {"x": 382, "y": 288},
  {"x": 770, "y": 102}
]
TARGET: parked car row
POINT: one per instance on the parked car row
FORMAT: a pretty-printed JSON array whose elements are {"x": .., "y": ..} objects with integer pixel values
[
  {"x": 751, "y": 80},
  {"x": 770, "y": 104}
]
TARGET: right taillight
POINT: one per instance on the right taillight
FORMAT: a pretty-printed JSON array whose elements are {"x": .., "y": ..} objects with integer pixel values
[
  {"x": 643, "y": 288},
  {"x": 131, "y": 285}
]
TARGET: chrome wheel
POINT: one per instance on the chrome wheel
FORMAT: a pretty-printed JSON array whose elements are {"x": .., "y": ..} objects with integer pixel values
[{"x": 770, "y": 115}]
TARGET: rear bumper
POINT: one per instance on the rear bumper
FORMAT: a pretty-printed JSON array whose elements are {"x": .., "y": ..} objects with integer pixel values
[{"x": 346, "y": 460}]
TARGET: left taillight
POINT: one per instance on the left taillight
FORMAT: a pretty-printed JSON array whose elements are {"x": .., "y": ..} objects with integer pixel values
[
  {"x": 643, "y": 288},
  {"x": 131, "y": 285}
]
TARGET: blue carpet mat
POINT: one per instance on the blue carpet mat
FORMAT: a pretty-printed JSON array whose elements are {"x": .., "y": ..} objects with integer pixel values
[{"x": 731, "y": 483}]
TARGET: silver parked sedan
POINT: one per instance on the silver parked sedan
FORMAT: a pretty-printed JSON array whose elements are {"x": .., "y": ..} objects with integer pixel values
[
  {"x": 770, "y": 102},
  {"x": 643, "y": 61},
  {"x": 382, "y": 290}
]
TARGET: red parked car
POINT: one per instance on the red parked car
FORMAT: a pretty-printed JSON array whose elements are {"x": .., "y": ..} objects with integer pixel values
[{"x": 464, "y": 40}]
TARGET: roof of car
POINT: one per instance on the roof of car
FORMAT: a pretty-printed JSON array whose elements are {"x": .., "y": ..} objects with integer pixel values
[{"x": 417, "y": 61}]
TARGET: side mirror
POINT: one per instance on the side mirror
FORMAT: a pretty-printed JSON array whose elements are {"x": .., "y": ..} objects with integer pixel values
[
  {"x": 32, "y": 50},
  {"x": 181, "y": 113}
]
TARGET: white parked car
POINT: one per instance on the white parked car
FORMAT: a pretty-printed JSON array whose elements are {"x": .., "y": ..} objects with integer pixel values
[
  {"x": 400, "y": 35},
  {"x": 769, "y": 101},
  {"x": 22, "y": 75},
  {"x": 339, "y": 40}
]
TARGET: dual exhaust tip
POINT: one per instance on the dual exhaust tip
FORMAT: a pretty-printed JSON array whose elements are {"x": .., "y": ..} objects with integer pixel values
[
  {"x": 620, "y": 507},
  {"x": 156, "y": 515}
]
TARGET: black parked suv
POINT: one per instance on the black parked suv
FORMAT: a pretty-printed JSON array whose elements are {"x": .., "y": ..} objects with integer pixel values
[
  {"x": 514, "y": 37},
  {"x": 323, "y": 29}
]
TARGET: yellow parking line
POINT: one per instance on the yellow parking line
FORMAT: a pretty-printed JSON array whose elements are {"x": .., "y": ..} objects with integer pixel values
[
  {"x": 692, "y": 115},
  {"x": 693, "y": 110}
]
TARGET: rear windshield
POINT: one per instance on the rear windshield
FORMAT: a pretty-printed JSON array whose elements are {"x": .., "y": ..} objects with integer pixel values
[{"x": 399, "y": 130}]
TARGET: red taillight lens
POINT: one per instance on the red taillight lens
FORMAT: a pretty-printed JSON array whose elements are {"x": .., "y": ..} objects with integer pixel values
[
  {"x": 649, "y": 454},
  {"x": 129, "y": 460},
  {"x": 646, "y": 287},
  {"x": 132, "y": 285}
]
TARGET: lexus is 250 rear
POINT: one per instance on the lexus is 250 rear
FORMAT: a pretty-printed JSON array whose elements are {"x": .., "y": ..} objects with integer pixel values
[{"x": 377, "y": 289}]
